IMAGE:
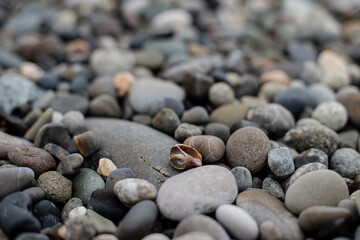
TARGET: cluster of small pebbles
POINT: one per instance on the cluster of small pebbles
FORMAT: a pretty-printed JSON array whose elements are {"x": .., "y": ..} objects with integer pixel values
[{"x": 180, "y": 119}]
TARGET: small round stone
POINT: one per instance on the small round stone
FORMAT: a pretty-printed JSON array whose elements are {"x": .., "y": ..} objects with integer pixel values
[
  {"x": 133, "y": 190},
  {"x": 35, "y": 193},
  {"x": 346, "y": 162},
  {"x": 106, "y": 166},
  {"x": 219, "y": 130},
  {"x": 275, "y": 76},
  {"x": 221, "y": 93},
  {"x": 57, "y": 188},
  {"x": 123, "y": 82},
  {"x": 156, "y": 236},
  {"x": 47, "y": 213},
  {"x": 196, "y": 115},
  {"x": 56, "y": 151},
  {"x": 77, "y": 212},
  {"x": 35, "y": 158},
  {"x": 280, "y": 161},
  {"x": 237, "y": 221},
  {"x": 331, "y": 114},
  {"x": 185, "y": 130},
  {"x": 105, "y": 105},
  {"x": 117, "y": 175},
  {"x": 310, "y": 156},
  {"x": 351, "y": 101},
  {"x": 70, "y": 205},
  {"x": 31, "y": 71},
  {"x": 85, "y": 182},
  {"x": 71, "y": 164},
  {"x": 273, "y": 187},
  {"x": 86, "y": 143},
  {"x": 73, "y": 120},
  {"x": 229, "y": 114},
  {"x": 248, "y": 147},
  {"x": 243, "y": 178},
  {"x": 166, "y": 120}
]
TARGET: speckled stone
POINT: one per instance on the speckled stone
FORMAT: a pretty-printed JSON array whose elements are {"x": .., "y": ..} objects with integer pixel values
[
  {"x": 273, "y": 117},
  {"x": 331, "y": 114},
  {"x": 56, "y": 151},
  {"x": 213, "y": 186},
  {"x": 229, "y": 114},
  {"x": 329, "y": 187},
  {"x": 307, "y": 122},
  {"x": 248, "y": 147},
  {"x": 71, "y": 164},
  {"x": 186, "y": 130},
  {"x": 56, "y": 187},
  {"x": 346, "y": 162},
  {"x": 280, "y": 162},
  {"x": 243, "y": 178},
  {"x": 201, "y": 223},
  {"x": 133, "y": 190},
  {"x": 265, "y": 207},
  {"x": 306, "y": 137},
  {"x": 166, "y": 120},
  {"x": 309, "y": 156},
  {"x": 273, "y": 187},
  {"x": 85, "y": 182}
]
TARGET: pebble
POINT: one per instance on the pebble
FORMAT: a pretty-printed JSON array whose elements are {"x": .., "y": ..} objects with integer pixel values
[
  {"x": 42, "y": 120},
  {"x": 351, "y": 103},
  {"x": 197, "y": 87},
  {"x": 77, "y": 212},
  {"x": 79, "y": 228},
  {"x": 138, "y": 221},
  {"x": 16, "y": 90},
  {"x": 23, "y": 176},
  {"x": 186, "y": 130},
  {"x": 309, "y": 156},
  {"x": 307, "y": 122},
  {"x": 37, "y": 159},
  {"x": 229, "y": 114},
  {"x": 106, "y": 203},
  {"x": 214, "y": 186},
  {"x": 153, "y": 91},
  {"x": 269, "y": 90},
  {"x": 142, "y": 119},
  {"x": 306, "y": 169},
  {"x": 174, "y": 104},
  {"x": 101, "y": 224},
  {"x": 201, "y": 223},
  {"x": 348, "y": 139},
  {"x": 273, "y": 187},
  {"x": 56, "y": 187},
  {"x": 315, "y": 136},
  {"x": 73, "y": 120},
  {"x": 280, "y": 162},
  {"x": 264, "y": 207},
  {"x": 31, "y": 71},
  {"x": 237, "y": 221},
  {"x": 105, "y": 237},
  {"x": 85, "y": 182},
  {"x": 152, "y": 157},
  {"x": 32, "y": 236},
  {"x": 70, "y": 102},
  {"x": 331, "y": 114},
  {"x": 17, "y": 204},
  {"x": 133, "y": 190},
  {"x": 321, "y": 93},
  {"x": 49, "y": 80},
  {"x": 243, "y": 178},
  {"x": 70, "y": 205},
  {"x": 57, "y": 152},
  {"x": 275, "y": 76},
  {"x": 92, "y": 162},
  {"x": 150, "y": 58},
  {"x": 102, "y": 85},
  {"x": 195, "y": 236},
  {"x": 117, "y": 175},
  {"x": 221, "y": 93},
  {"x": 301, "y": 53},
  {"x": 196, "y": 115},
  {"x": 329, "y": 187},
  {"x": 166, "y": 120},
  {"x": 256, "y": 144},
  {"x": 9, "y": 142},
  {"x": 47, "y": 213},
  {"x": 211, "y": 148},
  {"x": 70, "y": 165},
  {"x": 86, "y": 143},
  {"x": 155, "y": 236},
  {"x": 106, "y": 166},
  {"x": 35, "y": 193},
  {"x": 346, "y": 162},
  {"x": 123, "y": 82},
  {"x": 105, "y": 105},
  {"x": 177, "y": 19},
  {"x": 219, "y": 130},
  {"x": 312, "y": 218},
  {"x": 273, "y": 117}
]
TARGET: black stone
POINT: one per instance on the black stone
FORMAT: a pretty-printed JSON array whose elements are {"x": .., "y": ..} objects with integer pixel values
[
  {"x": 14, "y": 125},
  {"x": 49, "y": 80},
  {"x": 105, "y": 203},
  {"x": 197, "y": 87},
  {"x": 117, "y": 175},
  {"x": 93, "y": 161},
  {"x": 249, "y": 86},
  {"x": 47, "y": 213},
  {"x": 32, "y": 236}
]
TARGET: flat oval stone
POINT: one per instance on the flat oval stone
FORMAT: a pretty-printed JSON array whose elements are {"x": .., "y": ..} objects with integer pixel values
[
  {"x": 199, "y": 190},
  {"x": 306, "y": 137},
  {"x": 229, "y": 114},
  {"x": 265, "y": 207},
  {"x": 346, "y": 162},
  {"x": 126, "y": 142},
  {"x": 35, "y": 158},
  {"x": 322, "y": 187},
  {"x": 306, "y": 169},
  {"x": 8, "y": 142},
  {"x": 237, "y": 221},
  {"x": 248, "y": 147},
  {"x": 15, "y": 179}
]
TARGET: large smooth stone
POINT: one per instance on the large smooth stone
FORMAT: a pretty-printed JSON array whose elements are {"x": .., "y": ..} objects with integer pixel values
[
  {"x": 264, "y": 207},
  {"x": 15, "y": 179},
  {"x": 199, "y": 190},
  {"x": 9, "y": 142},
  {"x": 322, "y": 187},
  {"x": 136, "y": 146},
  {"x": 148, "y": 93}
]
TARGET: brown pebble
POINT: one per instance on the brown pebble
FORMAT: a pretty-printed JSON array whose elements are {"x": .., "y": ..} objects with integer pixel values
[
  {"x": 211, "y": 148},
  {"x": 275, "y": 76},
  {"x": 123, "y": 83},
  {"x": 106, "y": 166},
  {"x": 37, "y": 159},
  {"x": 86, "y": 143}
]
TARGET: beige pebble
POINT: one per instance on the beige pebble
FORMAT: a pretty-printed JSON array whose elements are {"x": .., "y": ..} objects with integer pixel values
[
  {"x": 275, "y": 76},
  {"x": 123, "y": 83},
  {"x": 32, "y": 71},
  {"x": 106, "y": 166}
]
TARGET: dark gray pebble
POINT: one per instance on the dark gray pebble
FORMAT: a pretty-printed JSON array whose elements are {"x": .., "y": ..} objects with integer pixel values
[
  {"x": 47, "y": 213},
  {"x": 93, "y": 161},
  {"x": 70, "y": 165},
  {"x": 105, "y": 106},
  {"x": 35, "y": 193},
  {"x": 309, "y": 156},
  {"x": 56, "y": 151},
  {"x": 117, "y": 175},
  {"x": 219, "y": 130},
  {"x": 166, "y": 120}
]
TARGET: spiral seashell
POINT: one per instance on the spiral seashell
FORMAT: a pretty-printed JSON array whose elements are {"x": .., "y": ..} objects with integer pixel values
[
  {"x": 211, "y": 148},
  {"x": 183, "y": 156}
]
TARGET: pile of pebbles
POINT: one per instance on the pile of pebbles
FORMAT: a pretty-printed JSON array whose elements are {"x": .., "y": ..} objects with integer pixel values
[{"x": 181, "y": 119}]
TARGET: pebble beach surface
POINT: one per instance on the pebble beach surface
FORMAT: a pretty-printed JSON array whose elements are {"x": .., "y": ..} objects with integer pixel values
[{"x": 180, "y": 119}]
